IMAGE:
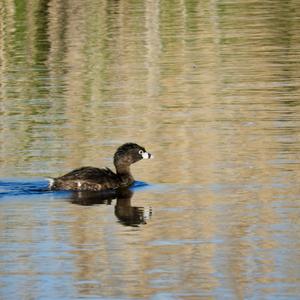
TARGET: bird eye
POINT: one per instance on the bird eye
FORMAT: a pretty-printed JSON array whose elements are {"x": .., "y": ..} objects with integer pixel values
[{"x": 141, "y": 152}]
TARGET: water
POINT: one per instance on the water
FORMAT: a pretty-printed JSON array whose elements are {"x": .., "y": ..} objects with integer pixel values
[{"x": 211, "y": 88}]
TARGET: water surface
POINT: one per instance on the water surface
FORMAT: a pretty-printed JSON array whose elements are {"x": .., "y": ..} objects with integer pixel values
[{"x": 211, "y": 88}]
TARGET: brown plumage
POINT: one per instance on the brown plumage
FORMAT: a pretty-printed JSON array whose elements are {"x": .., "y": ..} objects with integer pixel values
[{"x": 95, "y": 179}]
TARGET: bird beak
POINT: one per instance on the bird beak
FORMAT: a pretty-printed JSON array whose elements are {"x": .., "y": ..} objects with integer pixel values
[{"x": 147, "y": 155}]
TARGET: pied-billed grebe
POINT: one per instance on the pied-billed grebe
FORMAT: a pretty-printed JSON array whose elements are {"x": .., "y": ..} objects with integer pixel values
[{"x": 94, "y": 179}]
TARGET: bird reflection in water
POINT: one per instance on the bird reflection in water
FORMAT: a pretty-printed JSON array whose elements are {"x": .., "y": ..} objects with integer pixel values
[{"x": 127, "y": 215}]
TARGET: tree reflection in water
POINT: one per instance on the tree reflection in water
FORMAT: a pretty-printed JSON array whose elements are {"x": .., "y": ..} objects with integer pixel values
[{"x": 127, "y": 214}]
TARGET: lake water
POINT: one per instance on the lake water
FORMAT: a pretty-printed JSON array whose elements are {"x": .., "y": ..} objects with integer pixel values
[{"x": 211, "y": 88}]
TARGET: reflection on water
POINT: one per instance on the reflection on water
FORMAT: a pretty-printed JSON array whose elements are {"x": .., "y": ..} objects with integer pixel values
[
  {"x": 127, "y": 214},
  {"x": 211, "y": 88}
]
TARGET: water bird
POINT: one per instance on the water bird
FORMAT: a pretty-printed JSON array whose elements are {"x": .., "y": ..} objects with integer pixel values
[{"x": 95, "y": 179}]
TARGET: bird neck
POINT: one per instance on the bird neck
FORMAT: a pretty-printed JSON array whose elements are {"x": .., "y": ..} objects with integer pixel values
[{"x": 124, "y": 174}]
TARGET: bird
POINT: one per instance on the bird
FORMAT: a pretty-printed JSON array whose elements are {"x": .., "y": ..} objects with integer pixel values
[{"x": 95, "y": 179}]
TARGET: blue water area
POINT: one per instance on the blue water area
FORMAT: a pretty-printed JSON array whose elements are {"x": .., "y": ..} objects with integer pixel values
[{"x": 23, "y": 187}]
